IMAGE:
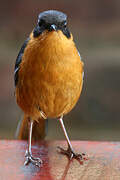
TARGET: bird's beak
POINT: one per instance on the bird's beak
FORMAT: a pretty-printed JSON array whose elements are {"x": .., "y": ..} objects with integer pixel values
[{"x": 53, "y": 27}]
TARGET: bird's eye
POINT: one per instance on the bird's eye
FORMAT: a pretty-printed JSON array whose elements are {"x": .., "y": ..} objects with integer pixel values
[
  {"x": 41, "y": 22},
  {"x": 65, "y": 24}
]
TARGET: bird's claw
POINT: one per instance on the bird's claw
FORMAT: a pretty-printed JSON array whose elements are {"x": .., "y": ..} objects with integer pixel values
[
  {"x": 31, "y": 159},
  {"x": 71, "y": 154}
]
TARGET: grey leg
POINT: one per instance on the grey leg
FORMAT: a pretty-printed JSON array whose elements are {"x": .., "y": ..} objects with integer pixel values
[
  {"x": 69, "y": 152},
  {"x": 28, "y": 154}
]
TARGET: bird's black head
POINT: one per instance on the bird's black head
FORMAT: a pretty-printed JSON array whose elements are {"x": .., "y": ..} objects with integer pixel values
[{"x": 51, "y": 20}]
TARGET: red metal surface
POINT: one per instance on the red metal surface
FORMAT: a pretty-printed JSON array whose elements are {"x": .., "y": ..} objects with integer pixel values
[{"x": 103, "y": 163}]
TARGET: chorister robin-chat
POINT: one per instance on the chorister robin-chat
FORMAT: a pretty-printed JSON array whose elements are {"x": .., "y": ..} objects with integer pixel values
[{"x": 48, "y": 79}]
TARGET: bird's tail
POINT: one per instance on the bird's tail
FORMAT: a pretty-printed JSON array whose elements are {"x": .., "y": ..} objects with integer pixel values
[{"x": 39, "y": 129}]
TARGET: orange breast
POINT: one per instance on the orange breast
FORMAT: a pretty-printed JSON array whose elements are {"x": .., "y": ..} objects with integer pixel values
[{"x": 50, "y": 76}]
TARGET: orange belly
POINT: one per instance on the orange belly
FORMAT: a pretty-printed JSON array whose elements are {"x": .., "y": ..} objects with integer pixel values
[{"x": 50, "y": 76}]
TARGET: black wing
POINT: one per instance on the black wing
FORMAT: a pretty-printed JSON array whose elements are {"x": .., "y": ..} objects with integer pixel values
[{"x": 18, "y": 61}]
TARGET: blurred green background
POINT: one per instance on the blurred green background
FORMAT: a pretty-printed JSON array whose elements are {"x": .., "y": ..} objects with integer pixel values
[{"x": 96, "y": 29}]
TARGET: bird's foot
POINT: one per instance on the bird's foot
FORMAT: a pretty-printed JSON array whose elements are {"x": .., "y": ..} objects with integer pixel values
[
  {"x": 71, "y": 154},
  {"x": 31, "y": 159}
]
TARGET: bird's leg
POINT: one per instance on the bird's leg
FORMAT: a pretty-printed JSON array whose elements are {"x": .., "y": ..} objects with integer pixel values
[
  {"x": 28, "y": 154},
  {"x": 69, "y": 152}
]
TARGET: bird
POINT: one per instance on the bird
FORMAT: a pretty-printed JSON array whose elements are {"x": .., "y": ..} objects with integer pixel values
[{"x": 48, "y": 76}]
